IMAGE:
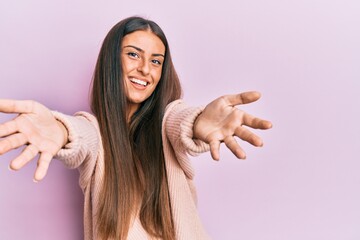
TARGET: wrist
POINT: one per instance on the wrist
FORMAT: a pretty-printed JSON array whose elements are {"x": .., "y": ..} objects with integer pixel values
[{"x": 65, "y": 133}]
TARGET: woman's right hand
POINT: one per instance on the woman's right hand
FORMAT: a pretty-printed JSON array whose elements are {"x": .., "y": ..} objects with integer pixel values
[{"x": 37, "y": 129}]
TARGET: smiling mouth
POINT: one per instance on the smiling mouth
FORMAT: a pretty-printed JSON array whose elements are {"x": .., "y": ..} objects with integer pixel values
[{"x": 139, "y": 82}]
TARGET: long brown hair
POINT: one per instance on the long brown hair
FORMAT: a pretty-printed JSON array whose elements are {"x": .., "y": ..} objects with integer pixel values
[{"x": 135, "y": 175}]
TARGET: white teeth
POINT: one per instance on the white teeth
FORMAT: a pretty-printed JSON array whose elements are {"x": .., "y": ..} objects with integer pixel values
[{"x": 138, "y": 81}]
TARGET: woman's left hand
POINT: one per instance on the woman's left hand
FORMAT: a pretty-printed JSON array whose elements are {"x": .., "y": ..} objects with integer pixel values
[{"x": 221, "y": 121}]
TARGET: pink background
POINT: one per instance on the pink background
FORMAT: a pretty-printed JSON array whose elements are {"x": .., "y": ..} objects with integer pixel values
[{"x": 304, "y": 56}]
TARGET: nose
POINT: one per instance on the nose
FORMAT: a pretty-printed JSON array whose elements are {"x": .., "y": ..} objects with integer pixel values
[{"x": 144, "y": 67}]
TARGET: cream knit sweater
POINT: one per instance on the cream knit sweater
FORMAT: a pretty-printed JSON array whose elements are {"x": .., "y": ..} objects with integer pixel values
[{"x": 85, "y": 152}]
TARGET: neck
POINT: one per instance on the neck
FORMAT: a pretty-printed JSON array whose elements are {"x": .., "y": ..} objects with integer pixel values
[{"x": 132, "y": 108}]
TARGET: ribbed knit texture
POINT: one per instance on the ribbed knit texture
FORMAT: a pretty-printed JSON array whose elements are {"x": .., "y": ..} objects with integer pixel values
[{"x": 85, "y": 152}]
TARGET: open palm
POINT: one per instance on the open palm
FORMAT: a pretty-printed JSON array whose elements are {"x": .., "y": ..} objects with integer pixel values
[
  {"x": 221, "y": 121},
  {"x": 37, "y": 129}
]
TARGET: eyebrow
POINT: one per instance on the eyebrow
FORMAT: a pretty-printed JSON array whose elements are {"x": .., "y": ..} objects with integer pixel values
[{"x": 140, "y": 50}]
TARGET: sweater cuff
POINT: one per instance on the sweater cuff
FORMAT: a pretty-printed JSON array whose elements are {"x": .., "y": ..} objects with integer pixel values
[
  {"x": 83, "y": 140},
  {"x": 193, "y": 146},
  {"x": 72, "y": 146}
]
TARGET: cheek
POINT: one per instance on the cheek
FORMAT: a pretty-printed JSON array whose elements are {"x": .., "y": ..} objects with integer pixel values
[
  {"x": 127, "y": 65},
  {"x": 123, "y": 65},
  {"x": 157, "y": 75}
]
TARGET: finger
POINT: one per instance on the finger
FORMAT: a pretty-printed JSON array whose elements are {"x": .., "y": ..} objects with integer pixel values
[
  {"x": 12, "y": 142},
  {"x": 242, "y": 98},
  {"x": 43, "y": 166},
  {"x": 256, "y": 123},
  {"x": 8, "y": 128},
  {"x": 16, "y": 106},
  {"x": 215, "y": 149},
  {"x": 248, "y": 136},
  {"x": 235, "y": 148},
  {"x": 26, "y": 156}
]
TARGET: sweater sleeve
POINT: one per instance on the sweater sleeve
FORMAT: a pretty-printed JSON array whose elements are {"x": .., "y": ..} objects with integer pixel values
[
  {"x": 179, "y": 122},
  {"x": 84, "y": 144}
]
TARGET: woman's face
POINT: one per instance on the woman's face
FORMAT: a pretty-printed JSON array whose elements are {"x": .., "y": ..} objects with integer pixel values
[{"x": 142, "y": 59}]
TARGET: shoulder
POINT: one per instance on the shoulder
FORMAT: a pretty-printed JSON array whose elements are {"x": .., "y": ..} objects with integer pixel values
[{"x": 173, "y": 104}]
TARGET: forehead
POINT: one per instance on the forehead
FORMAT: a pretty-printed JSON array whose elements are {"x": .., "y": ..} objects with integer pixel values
[{"x": 146, "y": 40}]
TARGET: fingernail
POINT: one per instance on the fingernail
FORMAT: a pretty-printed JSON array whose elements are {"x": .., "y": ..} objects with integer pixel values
[
  {"x": 10, "y": 169},
  {"x": 35, "y": 181}
]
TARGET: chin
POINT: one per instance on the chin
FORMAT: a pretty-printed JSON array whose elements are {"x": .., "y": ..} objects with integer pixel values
[{"x": 137, "y": 100}]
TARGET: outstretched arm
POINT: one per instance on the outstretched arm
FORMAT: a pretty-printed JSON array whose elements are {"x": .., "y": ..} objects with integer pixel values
[
  {"x": 221, "y": 121},
  {"x": 35, "y": 127}
]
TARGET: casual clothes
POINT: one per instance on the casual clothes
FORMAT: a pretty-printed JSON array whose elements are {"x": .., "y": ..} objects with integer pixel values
[{"x": 85, "y": 152}]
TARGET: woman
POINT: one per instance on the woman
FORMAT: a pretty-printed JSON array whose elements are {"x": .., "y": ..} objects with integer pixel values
[{"x": 134, "y": 172}]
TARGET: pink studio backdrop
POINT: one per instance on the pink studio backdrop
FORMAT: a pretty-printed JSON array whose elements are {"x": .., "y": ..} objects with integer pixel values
[{"x": 304, "y": 56}]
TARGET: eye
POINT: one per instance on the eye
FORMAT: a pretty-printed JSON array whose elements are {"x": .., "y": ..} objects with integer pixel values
[
  {"x": 156, "y": 61},
  {"x": 133, "y": 54}
]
